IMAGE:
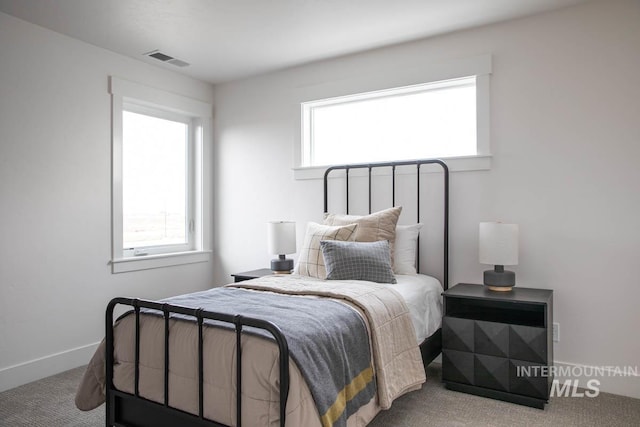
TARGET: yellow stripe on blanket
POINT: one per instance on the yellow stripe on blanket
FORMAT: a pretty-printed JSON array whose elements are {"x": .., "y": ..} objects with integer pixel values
[{"x": 346, "y": 394}]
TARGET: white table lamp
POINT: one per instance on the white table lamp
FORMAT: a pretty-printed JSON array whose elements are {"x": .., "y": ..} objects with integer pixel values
[
  {"x": 499, "y": 247},
  {"x": 281, "y": 240}
]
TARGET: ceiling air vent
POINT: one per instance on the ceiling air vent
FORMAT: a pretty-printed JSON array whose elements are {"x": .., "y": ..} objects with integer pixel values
[{"x": 156, "y": 54}]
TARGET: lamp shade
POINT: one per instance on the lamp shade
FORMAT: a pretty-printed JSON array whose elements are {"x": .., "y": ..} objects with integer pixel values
[
  {"x": 281, "y": 237},
  {"x": 498, "y": 243}
]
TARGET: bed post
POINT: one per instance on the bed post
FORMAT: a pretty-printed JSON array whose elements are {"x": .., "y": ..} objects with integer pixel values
[
  {"x": 446, "y": 225},
  {"x": 109, "y": 409}
]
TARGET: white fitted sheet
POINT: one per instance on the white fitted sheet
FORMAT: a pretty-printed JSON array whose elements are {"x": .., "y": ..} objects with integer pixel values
[{"x": 423, "y": 295}]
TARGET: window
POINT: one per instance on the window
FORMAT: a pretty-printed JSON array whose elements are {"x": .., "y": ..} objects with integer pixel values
[
  {"x": 156, "y": 168},
  {"x": 157, "y": 177},
  {"x": 423, "y": 121},
  {"x": 426, "y": 110}
]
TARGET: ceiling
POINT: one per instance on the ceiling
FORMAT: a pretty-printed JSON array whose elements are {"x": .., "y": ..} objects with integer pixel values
[{"x": 225, "y": 40}]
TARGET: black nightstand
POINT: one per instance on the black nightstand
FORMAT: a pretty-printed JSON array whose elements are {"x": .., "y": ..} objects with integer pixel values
[
  {"x": 498, "y": 344},
  {"x": 253, "y": 274}
]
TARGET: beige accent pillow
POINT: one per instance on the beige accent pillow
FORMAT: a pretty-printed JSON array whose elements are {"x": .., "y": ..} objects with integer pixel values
[
  {"x": 311, "y": 261},
  {"x": 379, "y": 225}
]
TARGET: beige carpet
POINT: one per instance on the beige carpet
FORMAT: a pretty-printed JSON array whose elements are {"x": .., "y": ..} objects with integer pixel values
[{"x": 49, "y": 402}]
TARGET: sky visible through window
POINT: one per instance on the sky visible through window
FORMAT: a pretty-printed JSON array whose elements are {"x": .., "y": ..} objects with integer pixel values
[
  {"x": 430, "y": 123},
  {"x": 154, "y": 181}
]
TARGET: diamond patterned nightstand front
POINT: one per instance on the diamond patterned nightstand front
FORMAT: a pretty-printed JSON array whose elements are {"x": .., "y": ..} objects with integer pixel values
[{"x": 490, "y": 338}]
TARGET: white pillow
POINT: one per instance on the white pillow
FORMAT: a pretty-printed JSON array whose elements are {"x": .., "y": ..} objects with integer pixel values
[{"x": 404, "y": 261}]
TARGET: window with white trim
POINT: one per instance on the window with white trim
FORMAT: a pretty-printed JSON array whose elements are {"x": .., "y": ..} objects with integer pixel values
[
  {"x": 430, "y": 120},
  {"x": 426, "y": 110},
  {"x": 157, "y": 199}
]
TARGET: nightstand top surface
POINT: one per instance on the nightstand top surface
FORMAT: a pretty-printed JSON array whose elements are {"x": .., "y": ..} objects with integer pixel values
[
  {"x": 468, "y": 290},
  {"x": 254, "y": 273}
]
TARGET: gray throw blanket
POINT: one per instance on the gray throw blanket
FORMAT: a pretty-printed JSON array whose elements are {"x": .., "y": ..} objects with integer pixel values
[{"x": 327, "y": 339}]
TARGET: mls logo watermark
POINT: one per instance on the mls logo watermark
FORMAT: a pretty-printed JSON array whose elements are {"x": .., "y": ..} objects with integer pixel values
[
  {"x": 580, "y": 382},
  {"x": 570, "y": 388}
]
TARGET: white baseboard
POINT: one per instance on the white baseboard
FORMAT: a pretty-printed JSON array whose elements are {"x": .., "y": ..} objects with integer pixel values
[
  {"x": 26, "y": 372},
  {"x": 621, "y": 380}
]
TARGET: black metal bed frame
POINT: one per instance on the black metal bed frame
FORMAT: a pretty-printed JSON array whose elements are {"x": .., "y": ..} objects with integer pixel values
[
  {"x": 126, "y": 409},
  {"x": 431, "y": 347}
]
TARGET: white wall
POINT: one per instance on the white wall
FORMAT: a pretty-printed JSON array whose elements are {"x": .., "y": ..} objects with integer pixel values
[
  {"x": 566, "y": 141},
  {"x": 55, "y": 185}
]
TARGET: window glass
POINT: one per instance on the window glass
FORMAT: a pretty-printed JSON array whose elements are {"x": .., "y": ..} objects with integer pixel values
[
  {"x": 154, "y": 174},
  {"x": 424, "y": 121}
]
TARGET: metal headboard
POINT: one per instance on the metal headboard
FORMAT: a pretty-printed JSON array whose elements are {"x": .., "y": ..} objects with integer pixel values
[{"x": 393, "y": 166}]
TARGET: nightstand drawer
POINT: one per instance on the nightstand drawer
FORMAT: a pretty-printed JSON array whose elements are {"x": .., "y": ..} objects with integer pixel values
[
  {"x": 457, "y": 366},
  {"x": 491, "y": 372},
  {"x": 529, "y": 379},
  {"x": 528, "y": 343},
  {"x": 458, "y": 334},
  {"x": 491, "y": 338}
]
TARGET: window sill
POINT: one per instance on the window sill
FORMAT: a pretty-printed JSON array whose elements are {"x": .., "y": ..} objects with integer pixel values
[
  {"x": 123, "y": 265},
  {"x": 455, "y": 164}
]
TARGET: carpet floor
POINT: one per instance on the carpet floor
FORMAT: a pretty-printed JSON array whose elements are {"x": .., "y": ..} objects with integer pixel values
[{"x": 50, "y": 402}]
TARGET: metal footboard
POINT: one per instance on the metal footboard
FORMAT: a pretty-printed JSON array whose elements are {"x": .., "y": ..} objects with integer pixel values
[{"x": 124, "y": 409}]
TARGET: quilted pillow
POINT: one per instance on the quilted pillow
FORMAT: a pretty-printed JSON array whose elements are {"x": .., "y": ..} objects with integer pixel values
[
  {"x": 371, "y": 228},
  {"x": 369, "y": 261},
  {"x": 311, "y": 262}
]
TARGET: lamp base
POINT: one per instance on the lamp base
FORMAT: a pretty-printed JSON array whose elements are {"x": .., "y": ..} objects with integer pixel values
[
  {"x": 500, "y": 288},
  {"x": 282, "y": 265},
  {"x": 499, "y": 279}
]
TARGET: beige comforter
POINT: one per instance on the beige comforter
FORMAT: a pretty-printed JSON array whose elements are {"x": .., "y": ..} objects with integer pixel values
[{"x": 397, "y": 359}]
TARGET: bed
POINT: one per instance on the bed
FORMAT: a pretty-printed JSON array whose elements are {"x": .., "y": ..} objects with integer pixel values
[{"x": 204, "y": 360}]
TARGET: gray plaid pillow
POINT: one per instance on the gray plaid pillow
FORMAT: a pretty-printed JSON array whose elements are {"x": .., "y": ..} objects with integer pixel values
[{"x": 369, "y": 261}]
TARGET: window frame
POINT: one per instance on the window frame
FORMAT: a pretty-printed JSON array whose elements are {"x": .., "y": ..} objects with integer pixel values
[
  {"x": 130, "y": 96},
  {"x": 401, "y": 78}
]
